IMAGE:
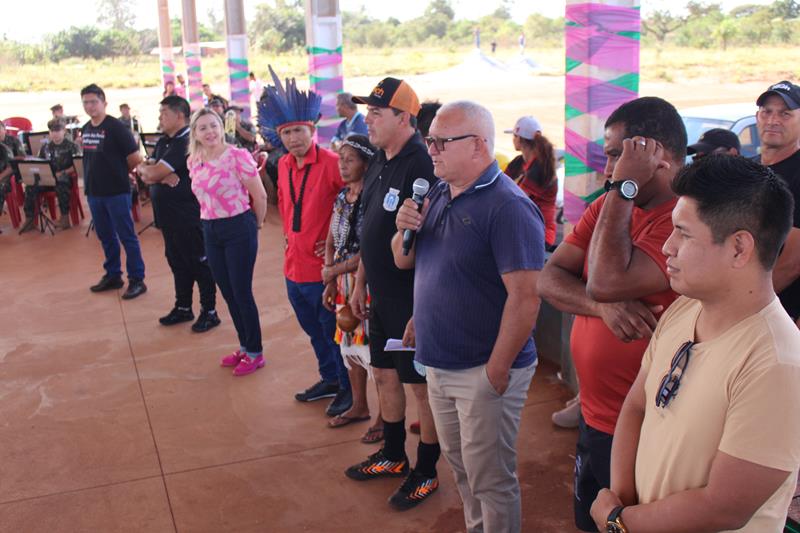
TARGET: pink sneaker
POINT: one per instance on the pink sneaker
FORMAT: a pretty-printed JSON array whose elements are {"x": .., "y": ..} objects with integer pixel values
[
  {"x": 248, "y": 365},
  {"x": 232, "y": 359}
]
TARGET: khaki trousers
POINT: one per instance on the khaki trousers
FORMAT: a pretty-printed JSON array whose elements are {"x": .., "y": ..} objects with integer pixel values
[{"x": 477, "y": 431}]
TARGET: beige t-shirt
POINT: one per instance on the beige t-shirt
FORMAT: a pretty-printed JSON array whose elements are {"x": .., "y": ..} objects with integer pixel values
[{"x": 740, "y": 394}]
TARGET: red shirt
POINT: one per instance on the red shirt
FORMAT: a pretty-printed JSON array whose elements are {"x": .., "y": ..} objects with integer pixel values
[
  {"x": 301, "y": 265},
  {"x": 606, "y": 366},
  {"x": 543, "y": 197}
]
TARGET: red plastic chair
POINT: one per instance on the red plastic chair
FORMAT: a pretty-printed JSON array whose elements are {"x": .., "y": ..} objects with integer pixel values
[
  {"x": 20, "y": 123},
  {"x": 75, "y": 206},
  {"x": 50, "y": 198},
  {"x": 12, "y": 205}
]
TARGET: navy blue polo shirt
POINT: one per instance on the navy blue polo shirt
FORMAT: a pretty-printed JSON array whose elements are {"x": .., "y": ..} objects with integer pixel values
[{"x": 462, "y": 249}]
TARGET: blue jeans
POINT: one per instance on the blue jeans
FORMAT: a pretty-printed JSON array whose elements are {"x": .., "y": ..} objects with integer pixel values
[
  {"x": 113, "y": 224},
  {"x": 231, "y": 247},
  {"x": 320, "y": 325}
]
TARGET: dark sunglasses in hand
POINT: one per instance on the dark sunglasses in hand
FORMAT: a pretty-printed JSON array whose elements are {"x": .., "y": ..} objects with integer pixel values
[
  {"x": 672, "y": 381},
  {"x": 439, "y": 142}
]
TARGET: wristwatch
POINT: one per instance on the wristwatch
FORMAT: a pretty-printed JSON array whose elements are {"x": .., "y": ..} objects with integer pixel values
[
  {"x": 614, "y": 522},
  {"x": 628, "y": 189}
]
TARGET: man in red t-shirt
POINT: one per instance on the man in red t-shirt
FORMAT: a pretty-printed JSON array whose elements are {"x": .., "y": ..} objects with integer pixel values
[
  {"x": 308, "y": 182},
  {"x": 610, "y": 272}
]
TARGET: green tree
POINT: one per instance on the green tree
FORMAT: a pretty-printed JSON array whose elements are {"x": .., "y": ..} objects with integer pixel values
[
  {"x": 118, "y": 14},
  {"x": 279, "y": 28},
  {"x": 785, "y": 9},
  {"x": 725, "y": 32},
  {"x": 440, "y": 7},
  {"x": 660, "y": 24}
]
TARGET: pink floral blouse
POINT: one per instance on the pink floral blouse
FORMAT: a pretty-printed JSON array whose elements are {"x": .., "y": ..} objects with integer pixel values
[{"x": 219, "y": 184}]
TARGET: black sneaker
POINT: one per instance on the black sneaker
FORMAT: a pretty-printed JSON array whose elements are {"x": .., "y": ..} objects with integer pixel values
[
  {"x": 341, "y": 403},
  {"x": 414, "y": 490},
  {"x": 136, "y": 287},
  {"x": 108, "y": 283},
  {"x": 317, "y": 391},
  {"x": 206, "y": 321},
  {"x": 377, "y": 465},
  {"x": 176, "y": 316}
]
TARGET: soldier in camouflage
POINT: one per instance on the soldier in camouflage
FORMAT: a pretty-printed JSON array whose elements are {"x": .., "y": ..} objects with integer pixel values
[
  {"x": 12, "y": 144},
  {"x": 60, "y": 151}
]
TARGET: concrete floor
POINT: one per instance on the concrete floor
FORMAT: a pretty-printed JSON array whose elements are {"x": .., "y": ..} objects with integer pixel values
[{"x": 110, "y": 422}]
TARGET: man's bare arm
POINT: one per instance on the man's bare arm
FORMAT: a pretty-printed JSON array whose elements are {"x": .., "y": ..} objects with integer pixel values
[{"x": 787, "y": 269}]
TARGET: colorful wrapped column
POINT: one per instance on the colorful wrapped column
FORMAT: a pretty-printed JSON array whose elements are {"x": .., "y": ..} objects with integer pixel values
[
  {"x": 324, "y": 39},
  {"x": 191, "y": 53},
  {"x": 238, "y": 68},
  {"x": 165, "y": 44},
  {"x": 602, "y": 72}
]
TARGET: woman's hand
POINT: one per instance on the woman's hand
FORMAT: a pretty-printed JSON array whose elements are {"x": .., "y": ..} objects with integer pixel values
[{"x": 329, "y": 297}]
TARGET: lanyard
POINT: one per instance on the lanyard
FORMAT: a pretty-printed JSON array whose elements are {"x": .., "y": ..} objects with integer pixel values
[{"x": 298, "y": 203}]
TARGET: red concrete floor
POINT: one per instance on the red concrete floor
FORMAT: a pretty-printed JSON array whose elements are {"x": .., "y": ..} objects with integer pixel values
[{"x": 110, "y": 422}]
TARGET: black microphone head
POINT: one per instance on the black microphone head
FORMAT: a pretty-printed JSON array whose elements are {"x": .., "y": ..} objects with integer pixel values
[{"x": 420, "y": 187}]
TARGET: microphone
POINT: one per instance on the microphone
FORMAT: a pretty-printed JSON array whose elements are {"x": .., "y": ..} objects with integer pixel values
[{"x": 420, "y": 189}]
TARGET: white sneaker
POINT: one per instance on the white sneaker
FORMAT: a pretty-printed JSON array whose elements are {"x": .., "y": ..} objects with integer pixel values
[{"x": 569, "y": 416}]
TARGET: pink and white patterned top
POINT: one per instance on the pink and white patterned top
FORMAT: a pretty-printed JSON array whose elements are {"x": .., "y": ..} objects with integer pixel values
[{"x": 219, "y": 184}]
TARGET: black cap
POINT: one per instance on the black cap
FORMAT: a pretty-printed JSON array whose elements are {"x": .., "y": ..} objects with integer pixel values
[
  {"x": 215, "y": 101},
  {"x": 713, "y": 139},
  {"x": 786, "y": 90}
]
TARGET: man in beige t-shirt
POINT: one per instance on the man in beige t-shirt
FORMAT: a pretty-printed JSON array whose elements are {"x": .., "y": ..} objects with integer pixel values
[{"x": 709, "y": 436}]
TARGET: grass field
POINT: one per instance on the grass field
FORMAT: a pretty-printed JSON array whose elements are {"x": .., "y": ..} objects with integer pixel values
[{"x": 734, "y": 65}]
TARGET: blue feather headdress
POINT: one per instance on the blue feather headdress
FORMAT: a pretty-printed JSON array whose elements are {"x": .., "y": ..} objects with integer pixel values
[{"x": 279, "y": 107}]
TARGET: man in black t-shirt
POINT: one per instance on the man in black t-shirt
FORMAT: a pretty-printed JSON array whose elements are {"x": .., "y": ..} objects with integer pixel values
[
  {"x": 778, "y": 122},
  {"x": 392, "y": 108},
  {"x": 178, "y": 213},
  {"x": 109, "y": 153}
]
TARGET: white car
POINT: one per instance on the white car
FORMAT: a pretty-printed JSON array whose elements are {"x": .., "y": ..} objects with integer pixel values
[{"x": 739, "y": 118}]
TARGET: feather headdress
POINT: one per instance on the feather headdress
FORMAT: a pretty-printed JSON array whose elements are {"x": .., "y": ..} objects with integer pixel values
[{"x": 282, "y": 107}]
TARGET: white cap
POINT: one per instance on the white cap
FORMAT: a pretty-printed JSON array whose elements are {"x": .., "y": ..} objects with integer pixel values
[{"x": 526, "y": 127}]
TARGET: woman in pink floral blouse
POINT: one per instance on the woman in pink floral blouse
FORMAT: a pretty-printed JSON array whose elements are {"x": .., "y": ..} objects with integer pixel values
[{"x": 224, "y": 178}]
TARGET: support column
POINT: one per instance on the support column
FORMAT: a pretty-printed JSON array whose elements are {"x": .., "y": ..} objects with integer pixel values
[
  {"x": 602, "y": 73},
  {"x": 236, "y": 35},
  {"x": 191, "y": 53},
  {"x": 165, "y": 44},
  {"x": 324, "y": 45}
]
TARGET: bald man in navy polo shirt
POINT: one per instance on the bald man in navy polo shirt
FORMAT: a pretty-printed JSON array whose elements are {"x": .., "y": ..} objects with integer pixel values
[{"x": 478, "y": 252}]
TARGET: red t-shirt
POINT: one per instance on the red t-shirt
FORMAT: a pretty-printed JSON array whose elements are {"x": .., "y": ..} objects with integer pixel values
[
  {"x": 606, "y": 366},
  {"x": 301, "y": 265},
  {"x": 543, "y": 197}
]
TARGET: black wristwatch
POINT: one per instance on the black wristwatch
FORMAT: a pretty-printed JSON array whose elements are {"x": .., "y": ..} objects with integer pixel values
[
  {"x": 628, "y": 189},
  {"x": 614, "y": 522}
]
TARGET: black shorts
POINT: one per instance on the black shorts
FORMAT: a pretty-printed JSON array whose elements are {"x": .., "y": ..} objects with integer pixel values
[
  {"x": 387, "y": 320},
  {"x": 592, "y": 472}
]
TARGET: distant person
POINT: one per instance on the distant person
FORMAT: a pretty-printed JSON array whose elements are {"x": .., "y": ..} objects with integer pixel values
[
  {"x": 178, "y": 214},
  {"x": 427, "y": 112},
  {"x": 715, "y": 141},
  {"x": 217, "y": 105},
  {"x": 535, "y": 171},
  {"x": 60, "y": 151},
  {"x": 353, "y": 122},
  {"x": 208, "y": 96},
  {"x": 110, "y": 153},
  {"x": 58, "y": 112},
  {"x": 521, "y": 41},
  {"x": 6, "y": 170},
  {"x": 611, "y": 274},
  {"x": 244, "y": 132},
  {"x": 130, "y": 122},
  {"x": 169, "y": 89},
  {"x": 708, "y": 439},
  {"x": 494, "y": 46},
  {"x": 180, "y": 86},
  {"x": 11, "y": 143},
  {"x": 778, "y": 123},
  {"x": 225, "y": 179},
  {"x": 256, "y": 87}
]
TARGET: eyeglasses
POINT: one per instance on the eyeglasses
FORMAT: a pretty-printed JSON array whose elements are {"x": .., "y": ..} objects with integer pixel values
[
  {"x": 439, "y": 142},
  {"x": 672, "y": 381}
]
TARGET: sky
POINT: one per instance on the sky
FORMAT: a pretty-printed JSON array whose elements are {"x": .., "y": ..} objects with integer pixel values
[{"x": 31, "y": 19}]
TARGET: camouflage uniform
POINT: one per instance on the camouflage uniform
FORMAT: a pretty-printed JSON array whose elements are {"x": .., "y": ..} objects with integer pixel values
[
  {"x": 61, "y": 156},
  {"x": 5, "y": 183},
  {"x": 13, "y": 145}
]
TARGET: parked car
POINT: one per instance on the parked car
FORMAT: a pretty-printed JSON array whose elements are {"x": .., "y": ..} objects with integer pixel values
[{"x": 739, "y": 118}]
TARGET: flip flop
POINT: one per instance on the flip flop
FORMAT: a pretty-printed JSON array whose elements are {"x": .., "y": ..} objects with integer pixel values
[
  {"x": 373, "y": 435},
  {"x": 342, "y": 420}
]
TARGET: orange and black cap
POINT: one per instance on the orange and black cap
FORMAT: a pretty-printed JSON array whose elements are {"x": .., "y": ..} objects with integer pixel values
[{"x": 394, "y": 93}]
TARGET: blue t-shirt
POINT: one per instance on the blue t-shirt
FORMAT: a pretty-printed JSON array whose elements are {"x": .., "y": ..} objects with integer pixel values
[
  {"x": 355, "y": 125},
  {"x": 462, "y": 249}
]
